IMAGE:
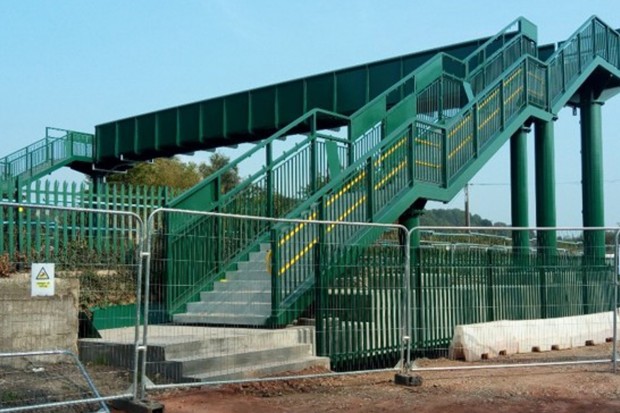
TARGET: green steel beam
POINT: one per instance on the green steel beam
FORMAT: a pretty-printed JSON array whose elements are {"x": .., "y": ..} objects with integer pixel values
[
  {"x": 592, "y": 173},
  {"x": 255, "y": 114},
  {"x": 518, "y": 187}
]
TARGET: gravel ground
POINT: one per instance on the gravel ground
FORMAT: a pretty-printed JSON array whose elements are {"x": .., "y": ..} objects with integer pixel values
[{"x": 583, "y": 388}]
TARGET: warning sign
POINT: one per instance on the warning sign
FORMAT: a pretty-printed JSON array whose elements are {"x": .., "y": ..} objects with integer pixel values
[
  {"x": 42, "y": 280},
  {"x": 43, "y": 275}
]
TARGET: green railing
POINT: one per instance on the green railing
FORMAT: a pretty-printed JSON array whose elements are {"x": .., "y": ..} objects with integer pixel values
[
  {"x": 593, "y": 39},
  {"x": 408, "y": 151},
  {"x": 59, "y": 148}
]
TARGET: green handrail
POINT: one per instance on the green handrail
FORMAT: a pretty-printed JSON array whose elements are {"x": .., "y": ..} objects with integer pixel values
[{"x": 46, "y": 154}]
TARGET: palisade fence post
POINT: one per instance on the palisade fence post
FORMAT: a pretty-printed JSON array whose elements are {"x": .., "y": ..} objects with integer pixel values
[
  {"x": 275, "y": 276},
  {"x": 490, "y": 301},
  {"x": 319, "y": 288}
]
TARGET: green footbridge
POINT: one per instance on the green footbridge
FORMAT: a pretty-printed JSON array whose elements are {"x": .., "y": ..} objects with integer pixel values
[
  {"x": 418, "y": 128},
  {"x": 422, "y": 138}
]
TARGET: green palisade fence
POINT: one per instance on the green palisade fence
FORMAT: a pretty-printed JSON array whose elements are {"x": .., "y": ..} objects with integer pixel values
[
  {"x": 455, "y": 285},
  {"x": 25, "y": 229}
]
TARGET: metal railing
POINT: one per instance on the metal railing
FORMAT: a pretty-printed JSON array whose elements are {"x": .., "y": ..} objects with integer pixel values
[{"x": 58, "y": 148}]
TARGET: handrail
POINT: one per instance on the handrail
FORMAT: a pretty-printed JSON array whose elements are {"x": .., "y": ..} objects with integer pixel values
[
  {"x": 523, "y": 26},
  {"x": 25, "y": 156},
  {"x": 575, "y": 41},
  {"x": 255, "y": 149}
]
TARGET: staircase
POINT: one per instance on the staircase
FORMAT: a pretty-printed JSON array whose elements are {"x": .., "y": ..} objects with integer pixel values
[
  {"x": 424, "y": 137},
  {"x": 204, "y": 354},
  {"x": 59, "y": 148},
  {"x": 242, "y": 297}
]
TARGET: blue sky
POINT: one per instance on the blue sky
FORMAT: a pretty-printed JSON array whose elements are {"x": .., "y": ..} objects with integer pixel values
[{"x": 75, "y": 64}]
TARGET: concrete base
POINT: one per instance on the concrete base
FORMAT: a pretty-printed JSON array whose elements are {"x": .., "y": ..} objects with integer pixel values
[
  {"x": 408, "y": 380},
  {"x": 474, "y": 342},
  {"x": 138, "y": 406}
]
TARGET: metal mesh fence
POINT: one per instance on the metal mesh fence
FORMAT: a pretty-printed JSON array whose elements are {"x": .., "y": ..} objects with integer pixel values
[
  {"x": 53, "y": 381},
  {"x": 69, "y": 281},
  {"x": 237, "y": 297},
  {"x": 495, "y": 293}
]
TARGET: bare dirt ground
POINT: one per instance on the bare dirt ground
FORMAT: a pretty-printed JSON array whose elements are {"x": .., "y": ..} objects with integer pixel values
[{"x": 563, "y": 389}]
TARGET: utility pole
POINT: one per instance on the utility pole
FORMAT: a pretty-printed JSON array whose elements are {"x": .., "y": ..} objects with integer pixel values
[{"x": 467, "y": 217}]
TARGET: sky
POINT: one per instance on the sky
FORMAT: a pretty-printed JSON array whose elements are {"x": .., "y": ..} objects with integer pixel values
[{"x": 74, "y": 64}]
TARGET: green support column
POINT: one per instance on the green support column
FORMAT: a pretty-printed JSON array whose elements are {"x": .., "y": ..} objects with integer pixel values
[
  {"x": 411, "y": 219},
  {"x": 592, "y": 175},
  {"x": 545, "y": 183},
  {"x": 518, "y": 189},
  {"x": 545, "y": 204}
]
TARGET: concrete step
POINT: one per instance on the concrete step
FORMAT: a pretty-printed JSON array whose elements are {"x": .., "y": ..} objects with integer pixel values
[
  {"x": 254, "y": 296},
  {"x": 221, "y": 319},
  {"x": 259, "y": 256},
  {"x": 243, "y": 266},
  {"x": 217, "y": 341},
  {"x": 249, "y": 359},
  {"x": 243, "y": 285},
  {"x": 248, "y": 275},
  {"x": 199, "y": 353},
  {"x": 261, "y": 370},
  {"x": 240, "y": 307},
  {"x": 179, "y": 369}
]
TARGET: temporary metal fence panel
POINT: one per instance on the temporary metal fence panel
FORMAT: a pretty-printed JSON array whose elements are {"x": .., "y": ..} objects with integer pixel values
[
  {"x": 47, "y": 381},
  {"x": 310, "y": 297},
  {"x": 88, "y": 264},
  {"x": 476, "y": 295}
]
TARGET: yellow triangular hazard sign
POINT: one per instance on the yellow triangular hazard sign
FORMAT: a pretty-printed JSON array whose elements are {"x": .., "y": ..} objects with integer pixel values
[{"x": 42, "y": 275}]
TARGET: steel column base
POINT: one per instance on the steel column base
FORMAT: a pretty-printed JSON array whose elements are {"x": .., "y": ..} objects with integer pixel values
[
  {"x": 408, "y": 380},
  {"x": 138, "y": 406}
]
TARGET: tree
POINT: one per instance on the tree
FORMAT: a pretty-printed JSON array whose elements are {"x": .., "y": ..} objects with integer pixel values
[
  {"x": 217, "y": 161},
  {"x": 170, "y": 172},
  {"x": 173, "y": 173}
]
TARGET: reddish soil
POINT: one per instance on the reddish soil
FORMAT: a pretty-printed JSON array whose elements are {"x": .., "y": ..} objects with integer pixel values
[{"x": 569, "y": 389}]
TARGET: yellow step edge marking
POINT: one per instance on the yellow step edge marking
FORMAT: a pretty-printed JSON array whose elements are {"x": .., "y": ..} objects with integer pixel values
[
  {"x": 488, "y": 99},
  {"x": 347, "y": 212},
  {"x": 391, "y": 174},
  {"x": 540, "y": 95},
  {"x": 348, "y": 186},
  {"x": 489, "y": 118},
  {"x": 459, "y": 125},
  {"x": 298, "y": 256},
  {"x": 312, "y": 243},
  {"x": 513, "y": 95},
  {"x": 297, "y": 228},
  {"x": 461, "y": 145},
  {"x": 427, "y": 143},
  {"x": 428, "y": 164},
  {"x": 512, "y": 77},
  {"x": 540, "y": 79},
  {"x": 391, "y": 151}
]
